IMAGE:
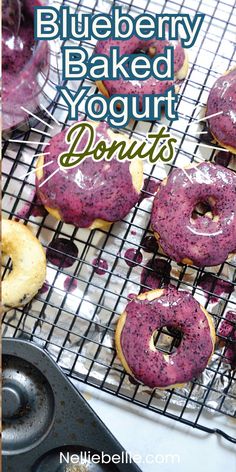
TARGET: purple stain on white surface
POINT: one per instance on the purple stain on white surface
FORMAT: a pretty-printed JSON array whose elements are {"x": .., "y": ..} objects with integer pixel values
[
  {"x": 133, "y": 232},
  {"x": 155, "y": 274},
  {"x": 100, "y": 266},
  {"x": 150, "y": 187},
  {"x": 70, "y": 284},
  {"x": 217, "y": 287},
  {"x": 32, "y": 208},
  {"x": 133, "y": 257},
  {"x": 62, "y": 252},
  {"x": 44, "y": 288},
  {"x": 149, "y": 244}
]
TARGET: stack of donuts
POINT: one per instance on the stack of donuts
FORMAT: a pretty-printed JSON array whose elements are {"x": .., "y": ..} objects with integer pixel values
[{"x": 97, "y": 194}]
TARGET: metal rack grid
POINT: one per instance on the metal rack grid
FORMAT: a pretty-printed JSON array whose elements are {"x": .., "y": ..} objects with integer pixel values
[{"x": 77, "y": 328}]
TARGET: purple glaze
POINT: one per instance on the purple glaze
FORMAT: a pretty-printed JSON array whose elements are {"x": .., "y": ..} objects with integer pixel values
[
  {"x": 132, "y": 295},
  {"x": 222, "y": 97},
  {"x": 155, "y": 274},
  {"x": 228, "y": 325},
  {"x": 216, "y": 286},
  {"x": 21, "y": 62},
  {"x": 205, "y": 241},
  {"x": 133, "y": 257},
  {"x": 91, "y": 190},
  {"x": 34, "y": 208},
  {"x": 174, "y": 309},
  {"x": 227, "y": 330},
  {"x": 100, "y": 266},
  {"x": 44, "y": 288},
  {"x": 140, "y": 87},
  {"x": 62, "y": 252},
  {"x": 149, "y": 244},
  {"x": 70, "y": 284},
  {"x": 150, "y": 187}
]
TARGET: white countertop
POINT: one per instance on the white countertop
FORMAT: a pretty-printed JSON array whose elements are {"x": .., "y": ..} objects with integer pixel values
[{"x": 144, "y": 432}]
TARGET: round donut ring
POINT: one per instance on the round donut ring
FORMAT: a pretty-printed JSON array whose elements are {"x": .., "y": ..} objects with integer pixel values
[
  {"x": 222, "y": 102},
  {"x": 151, "y": 85},
  {"x": 29, "y": 265},
  {"x": 139, "y": 324},
  {"x": 207, "y": 240}
]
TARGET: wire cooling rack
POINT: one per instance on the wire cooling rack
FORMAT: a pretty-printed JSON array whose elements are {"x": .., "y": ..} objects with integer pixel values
[{"x": 75, "y": 315}]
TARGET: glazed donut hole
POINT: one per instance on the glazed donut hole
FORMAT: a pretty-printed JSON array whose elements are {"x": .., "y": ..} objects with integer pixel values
[
  {"x": 205, "y": 208},
  {"x": 149, "y": 51},
  {"x": 166, "y": 339}
]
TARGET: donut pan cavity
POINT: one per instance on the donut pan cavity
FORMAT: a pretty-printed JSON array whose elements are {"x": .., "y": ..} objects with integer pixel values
[{"x": 44, "y": 415}]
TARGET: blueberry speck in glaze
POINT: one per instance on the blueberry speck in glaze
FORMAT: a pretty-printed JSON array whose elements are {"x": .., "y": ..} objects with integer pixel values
[
  {"x": 62, "y": 252},
  {"x": 100, "y": 266}
]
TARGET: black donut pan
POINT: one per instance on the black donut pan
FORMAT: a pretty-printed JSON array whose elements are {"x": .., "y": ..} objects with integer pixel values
[{"x": 44, "y": 415}]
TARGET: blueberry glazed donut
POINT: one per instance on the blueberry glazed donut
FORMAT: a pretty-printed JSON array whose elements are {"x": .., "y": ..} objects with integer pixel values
[
  {"x": 29, "y": 265},
  {"x": 222, "y": 98},
  {"x": 93, "y": 194},
  {"x": 205, "y": 240},
  {"x": 137, "y": 329},
  {"x": 142, "y": 87}
]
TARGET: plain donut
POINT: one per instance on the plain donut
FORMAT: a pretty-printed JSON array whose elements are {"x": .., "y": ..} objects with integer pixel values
[{"x": 29, "y": 265}]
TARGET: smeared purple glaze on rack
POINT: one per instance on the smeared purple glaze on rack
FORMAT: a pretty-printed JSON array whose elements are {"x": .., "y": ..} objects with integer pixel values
[
  {"x": 62, "y": 252},
  {"x": 133, "y": 257},
  {"x": 150, "y": 187},
  {"x": 100, "y": 266},
  {"x": 155, "y": 274},
  {"x": 218, "y": 287}
]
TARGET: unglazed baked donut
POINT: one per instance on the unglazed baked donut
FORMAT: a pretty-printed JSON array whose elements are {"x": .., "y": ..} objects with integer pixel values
[
  {"x": 222, "y": 97},
  {"x": 93, "y": 194},
  {"x": 29, "y": 265},
  {"x": 209, "y": 239},
  {"x": 137, "y": 329},
  {"x": 142, "y": 87}
]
